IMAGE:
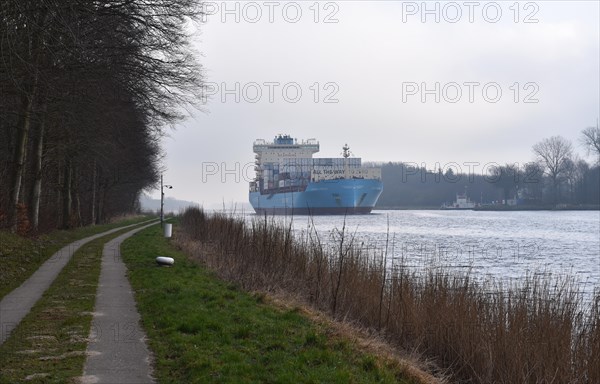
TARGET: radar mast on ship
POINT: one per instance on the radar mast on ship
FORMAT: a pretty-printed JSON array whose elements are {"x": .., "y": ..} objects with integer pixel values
[{"x": 346, "y": 151}]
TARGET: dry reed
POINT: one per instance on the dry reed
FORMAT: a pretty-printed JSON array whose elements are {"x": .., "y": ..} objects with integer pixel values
[{"x": 536, "y": 331}]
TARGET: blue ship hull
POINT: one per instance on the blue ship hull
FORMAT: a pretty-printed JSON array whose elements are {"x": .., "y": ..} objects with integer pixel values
[{"x": 326, "y": 197}]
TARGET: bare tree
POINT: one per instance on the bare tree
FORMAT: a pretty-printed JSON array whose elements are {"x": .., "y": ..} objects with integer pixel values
[
  {"x": 590, "y": 139},
  {"x": 23, "y": 27},
  {"x": 87, "y": 89},
  {"x": 533, "y": 181},
  {"x": 507, "y": 178},
  {"x": 554, "y": 154},
  {"x": 575, "y": 169}
]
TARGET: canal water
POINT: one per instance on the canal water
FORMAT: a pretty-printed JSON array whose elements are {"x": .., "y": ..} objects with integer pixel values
[{"x": 504, "y": 246}]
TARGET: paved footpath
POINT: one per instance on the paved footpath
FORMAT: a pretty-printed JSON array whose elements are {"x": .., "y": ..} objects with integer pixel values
[
  {"x": 15, "y": 305},
  {"x": 117, "y": 351}
]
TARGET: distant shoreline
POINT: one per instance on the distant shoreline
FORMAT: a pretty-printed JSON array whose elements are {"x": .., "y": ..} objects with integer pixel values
[{"x": 499, "y": 208}]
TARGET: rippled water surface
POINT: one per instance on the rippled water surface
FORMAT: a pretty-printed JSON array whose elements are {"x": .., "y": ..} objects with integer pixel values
[{"x": 502, "y": 245}]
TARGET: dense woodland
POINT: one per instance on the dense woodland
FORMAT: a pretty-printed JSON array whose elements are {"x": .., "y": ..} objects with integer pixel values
[
  {"x": 558, "y": 176},
  {"x": 86, "y": 89}
]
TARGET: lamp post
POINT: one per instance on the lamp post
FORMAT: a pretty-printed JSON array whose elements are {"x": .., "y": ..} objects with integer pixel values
[{"x": 162, "y": 199}]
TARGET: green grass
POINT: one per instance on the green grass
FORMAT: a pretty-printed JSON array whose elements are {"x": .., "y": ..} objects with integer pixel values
[
  {"x": 202, "y": 329},
  {"x": 50, "y": 342},
  {"x": 21, "y": 256}
]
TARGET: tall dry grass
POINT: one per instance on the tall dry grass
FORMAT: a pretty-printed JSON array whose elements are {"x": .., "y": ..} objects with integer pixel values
[{"x": 536, "y": 331}]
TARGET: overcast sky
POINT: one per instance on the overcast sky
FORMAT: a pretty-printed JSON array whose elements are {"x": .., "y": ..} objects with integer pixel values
[{"x": 368, "y": 73}]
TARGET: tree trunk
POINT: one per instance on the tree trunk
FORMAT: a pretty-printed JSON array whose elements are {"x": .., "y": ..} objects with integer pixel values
[
  {"x": 77, "y": 207},
  {"x": 555, "y": 184},
  {"x": 134, "y": 203},
  {"x": 94, "y": 176},
  {"x": 67, "y": 198},
  {"x": 19, "y": 159},
  {"x": 75, "y": 192},
  {"x": 28, "y": 99},
  {"x": 37, "y": 184},
  {"x": 101, "y": 197},
  {"x": 58, "y": 204}
]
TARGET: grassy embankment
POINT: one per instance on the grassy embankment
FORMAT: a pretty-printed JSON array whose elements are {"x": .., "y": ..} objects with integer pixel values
[
  {"x": 202, "y": 329},
  {"x": 49, "y": 344},
  {"x": 21, "y": 256},
  {"x": 536, "y": 331}
]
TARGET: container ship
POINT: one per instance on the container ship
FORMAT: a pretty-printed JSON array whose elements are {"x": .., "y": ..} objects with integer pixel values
[{"x": 290, "y": 181}]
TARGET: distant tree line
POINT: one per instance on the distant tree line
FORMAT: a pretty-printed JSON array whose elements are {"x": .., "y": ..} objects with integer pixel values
[
  {"x": 558, "y": 176},
  {"x": 86, "y": 89}
]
